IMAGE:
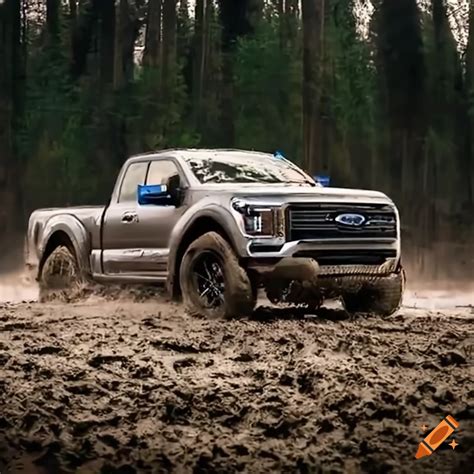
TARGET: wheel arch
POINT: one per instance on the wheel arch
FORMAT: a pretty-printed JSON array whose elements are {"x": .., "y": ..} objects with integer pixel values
[
  {"x": 199, "y": 226},
  {"x": 65, "y": 231}
]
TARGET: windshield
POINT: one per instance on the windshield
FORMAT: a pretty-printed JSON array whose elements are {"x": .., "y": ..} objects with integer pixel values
[{"x": 246, "y": 168}]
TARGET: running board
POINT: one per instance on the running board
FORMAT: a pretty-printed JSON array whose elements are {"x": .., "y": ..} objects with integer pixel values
[{"x": 127, "y": 278}]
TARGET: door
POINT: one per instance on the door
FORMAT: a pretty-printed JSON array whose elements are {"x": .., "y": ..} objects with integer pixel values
[
  {"x": 159, "y": 220},
  {"x": 136, "y": 237},
  {"x": 120, "y": 239}
]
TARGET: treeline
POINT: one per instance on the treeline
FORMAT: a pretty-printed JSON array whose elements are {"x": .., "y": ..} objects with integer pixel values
[{"x": 84, "y": 84}]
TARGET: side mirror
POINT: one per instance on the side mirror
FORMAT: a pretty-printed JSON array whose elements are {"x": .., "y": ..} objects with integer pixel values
[
  {"x": 153, "y": 194},
  {"x": 174, "y": 189}
]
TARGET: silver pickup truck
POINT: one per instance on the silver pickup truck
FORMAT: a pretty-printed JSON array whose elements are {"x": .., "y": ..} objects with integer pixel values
[{"x": 216, "y": 226}]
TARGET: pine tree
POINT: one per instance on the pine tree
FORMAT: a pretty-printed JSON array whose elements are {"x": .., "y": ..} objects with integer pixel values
[{"x": 152, "y": 53}]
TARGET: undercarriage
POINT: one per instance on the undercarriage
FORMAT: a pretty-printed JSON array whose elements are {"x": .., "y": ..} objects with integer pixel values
[{"x": 303, "y": 282}]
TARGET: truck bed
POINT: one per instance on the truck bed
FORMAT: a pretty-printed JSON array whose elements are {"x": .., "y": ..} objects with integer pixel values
[{"x": 44, "y": 222}]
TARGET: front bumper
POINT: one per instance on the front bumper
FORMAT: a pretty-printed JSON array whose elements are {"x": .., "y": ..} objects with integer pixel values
[{"x": 334, "y": 256}]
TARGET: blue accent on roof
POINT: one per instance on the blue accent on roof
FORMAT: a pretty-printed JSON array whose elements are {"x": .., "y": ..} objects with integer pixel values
[{"x": 323, "y": 180}]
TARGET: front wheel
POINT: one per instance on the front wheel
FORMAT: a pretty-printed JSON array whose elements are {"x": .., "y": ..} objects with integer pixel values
[
  {"x": 213, "y": 284},
  {"x": 382, "y": 297}
]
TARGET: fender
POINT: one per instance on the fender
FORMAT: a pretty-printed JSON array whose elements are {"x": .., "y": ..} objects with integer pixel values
[
  {"x": 221, "y": 215},
  {"x": 76, "y": 232}
]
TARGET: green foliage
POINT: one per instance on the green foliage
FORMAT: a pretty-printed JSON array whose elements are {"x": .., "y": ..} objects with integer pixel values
[
  {"x": 208, "y": 111},
  {"x": 73, "y": 141},
  {"x": 397, "y": 108},
  {"x": 50, "y": 141},
  {"x": 268, "y": 110},
  {"x": 350, "y": 79},
  {"x": 353, "y": 99},
  {"x": 157, "y": 123}
]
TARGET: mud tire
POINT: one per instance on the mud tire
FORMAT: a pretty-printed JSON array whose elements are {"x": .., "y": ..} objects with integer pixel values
[
  {"x": 382, "y": 297},
  {"x": 60, "y": 275},
  {"x": 239, "y": 298}
]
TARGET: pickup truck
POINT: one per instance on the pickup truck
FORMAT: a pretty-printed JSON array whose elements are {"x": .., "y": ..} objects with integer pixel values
[{"x": 216, "y": 226}]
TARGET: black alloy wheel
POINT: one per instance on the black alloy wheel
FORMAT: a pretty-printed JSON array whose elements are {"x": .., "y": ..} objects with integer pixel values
[
  {"x": 212, "y": 281},
  {"x": 208, "y": 279}
]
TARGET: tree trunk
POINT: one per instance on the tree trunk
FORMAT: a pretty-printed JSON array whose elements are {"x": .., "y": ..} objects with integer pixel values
[
  {"x": 106, "y": 16},
  {"x": 448, "y": 114},
  {"x": 82, "y": 33},
  {"x": 200, "y": 56},
  {"x": 126, "y": 32},
  {"x": 236, "y": 22},
  {"x": 73, "y": 9},
  {"x": 10, "y": 84},
  {"x": 313, "y": 40},
  {"x": 152, "y": 53},
  {"x": 52, "y": 20},
  {"x": 185, "y": 50},
  {"x": 401, "y": 64},
  {"x": 72, "y": 22},
  {"x": 169, "y": 47}
]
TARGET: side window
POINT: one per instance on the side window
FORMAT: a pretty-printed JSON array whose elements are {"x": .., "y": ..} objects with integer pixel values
[
  {"x": 161, "y": 171},
  {"x": 134, "y": 176}
]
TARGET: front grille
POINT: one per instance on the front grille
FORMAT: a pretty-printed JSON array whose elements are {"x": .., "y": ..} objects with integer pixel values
[{"x": 318, "y": 221}]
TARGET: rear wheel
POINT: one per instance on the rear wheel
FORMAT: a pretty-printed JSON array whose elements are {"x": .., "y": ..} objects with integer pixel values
[
  {"x": 60, "y": 273},
  {"x": 382, "y": 297},
  {"x": 213, "y": 284}
]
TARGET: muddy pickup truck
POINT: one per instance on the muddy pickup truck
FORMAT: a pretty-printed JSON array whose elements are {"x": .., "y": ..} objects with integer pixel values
[{"x": 215, "y": 226}]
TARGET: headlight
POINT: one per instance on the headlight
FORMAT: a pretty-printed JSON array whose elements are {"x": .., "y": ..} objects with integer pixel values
[{"x": 258, "y": 221}]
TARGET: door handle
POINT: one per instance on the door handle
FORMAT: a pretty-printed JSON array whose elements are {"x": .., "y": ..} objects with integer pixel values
[{"x": 129, "y": 218}]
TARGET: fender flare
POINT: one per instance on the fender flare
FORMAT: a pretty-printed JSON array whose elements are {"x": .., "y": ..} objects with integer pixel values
[
  {"x": 77, "y": 234},
  {"x": 221, "y": 216}
]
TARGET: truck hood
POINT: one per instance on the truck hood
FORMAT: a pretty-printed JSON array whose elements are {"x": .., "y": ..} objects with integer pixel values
[{"x": 279, "y": 194}]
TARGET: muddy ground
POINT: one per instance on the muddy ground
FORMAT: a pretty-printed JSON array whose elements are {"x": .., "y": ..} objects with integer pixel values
[{"x": 119, "y": 385}]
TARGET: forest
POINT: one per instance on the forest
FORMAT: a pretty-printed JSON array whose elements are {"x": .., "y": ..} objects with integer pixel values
[{"x": 386, "y": 104}]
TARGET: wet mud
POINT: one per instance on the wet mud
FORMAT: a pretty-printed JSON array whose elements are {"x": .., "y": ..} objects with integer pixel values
[{"x": 127, "y": 386}]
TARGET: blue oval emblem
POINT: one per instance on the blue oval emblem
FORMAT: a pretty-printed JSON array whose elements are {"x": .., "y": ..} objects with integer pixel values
[{"x": 353, "y": 220}]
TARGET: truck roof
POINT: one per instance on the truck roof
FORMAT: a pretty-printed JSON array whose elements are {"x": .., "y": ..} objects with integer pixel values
[{"x": 198, "y": 152}]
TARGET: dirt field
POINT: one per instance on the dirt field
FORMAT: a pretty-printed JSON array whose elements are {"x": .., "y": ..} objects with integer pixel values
[{"x": 124, "y": 386}]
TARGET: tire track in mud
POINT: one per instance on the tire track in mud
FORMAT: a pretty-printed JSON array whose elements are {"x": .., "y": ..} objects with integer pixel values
[{"x": 121, "y": 386}]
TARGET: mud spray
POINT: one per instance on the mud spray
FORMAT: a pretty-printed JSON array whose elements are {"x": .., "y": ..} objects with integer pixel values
[{"x": 16, "y": 287}]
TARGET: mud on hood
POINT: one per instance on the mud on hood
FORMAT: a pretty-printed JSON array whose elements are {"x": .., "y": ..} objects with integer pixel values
[{"x": 284, "y": 194}]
